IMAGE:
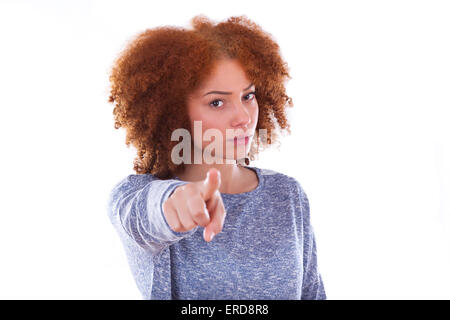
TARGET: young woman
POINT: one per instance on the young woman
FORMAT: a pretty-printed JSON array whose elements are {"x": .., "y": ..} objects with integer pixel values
[{"x": 215, "y": 228}]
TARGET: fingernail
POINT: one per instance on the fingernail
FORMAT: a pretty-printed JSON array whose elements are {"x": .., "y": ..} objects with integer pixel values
[{"x": 212, "y": 236}]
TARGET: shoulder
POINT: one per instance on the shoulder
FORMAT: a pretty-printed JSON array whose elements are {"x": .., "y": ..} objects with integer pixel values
[
  {"x": 288, "y": 191},
  {"x": 134, "y": 182},
  {"x": 130, "y": 183},
  {"x": 281, "y": 182}
]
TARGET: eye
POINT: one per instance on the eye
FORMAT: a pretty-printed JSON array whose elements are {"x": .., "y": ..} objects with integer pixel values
[
  {"x": 213, "y": 103},
  {"x": 215, "y": 106},
  {"x": 253, "y": 93}
]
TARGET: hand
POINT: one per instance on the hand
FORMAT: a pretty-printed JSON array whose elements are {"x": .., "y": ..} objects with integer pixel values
[{"x": 197, "y": 204}]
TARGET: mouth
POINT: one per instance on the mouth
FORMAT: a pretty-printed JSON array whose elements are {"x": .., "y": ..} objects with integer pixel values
[{"x": 241, "y": 139}]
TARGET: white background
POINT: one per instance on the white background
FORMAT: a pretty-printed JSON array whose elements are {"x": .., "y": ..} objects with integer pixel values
[{"x": 370, "y": 84}]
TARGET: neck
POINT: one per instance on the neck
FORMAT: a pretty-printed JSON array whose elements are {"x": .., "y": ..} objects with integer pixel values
[{"x": 230, "y": 174}]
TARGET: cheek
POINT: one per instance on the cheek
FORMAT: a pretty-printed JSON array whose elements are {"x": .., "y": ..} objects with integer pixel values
[{"x": 209, "y": 121}]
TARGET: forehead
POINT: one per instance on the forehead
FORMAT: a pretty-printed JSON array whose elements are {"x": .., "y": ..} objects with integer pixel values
[{"x": 227, "y": 75}]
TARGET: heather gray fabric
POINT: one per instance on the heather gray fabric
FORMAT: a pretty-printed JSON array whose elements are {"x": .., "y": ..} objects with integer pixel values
[{"x": 266, "y": 250}]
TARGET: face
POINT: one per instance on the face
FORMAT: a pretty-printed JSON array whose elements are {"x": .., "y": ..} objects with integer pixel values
[{"x": 227, "y": 103}]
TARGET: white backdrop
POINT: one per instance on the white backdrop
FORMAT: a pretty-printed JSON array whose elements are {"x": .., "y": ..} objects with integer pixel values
[{"x": 370, "y": 84}]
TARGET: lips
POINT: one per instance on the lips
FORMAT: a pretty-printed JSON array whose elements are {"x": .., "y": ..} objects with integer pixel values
[
  {"x": 242, "y": 140},
  {"x": 240, "y": 137}
]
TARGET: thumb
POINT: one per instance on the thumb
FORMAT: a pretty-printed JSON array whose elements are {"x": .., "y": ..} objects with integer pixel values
[{"x": 210, "y": 184}]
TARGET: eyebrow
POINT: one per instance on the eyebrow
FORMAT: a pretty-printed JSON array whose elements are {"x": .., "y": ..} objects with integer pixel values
[{"x": 223, "y": 92}]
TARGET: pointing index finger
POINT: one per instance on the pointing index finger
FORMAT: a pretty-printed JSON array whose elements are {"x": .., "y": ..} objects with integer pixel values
[
  {"x": 210, "y": 184},
  {"x": 217, "y": 215}
]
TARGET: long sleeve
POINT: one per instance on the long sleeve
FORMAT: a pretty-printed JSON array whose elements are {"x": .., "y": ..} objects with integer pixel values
[
  {"x": 135, "y": 206},
  {"x": 266, "y": 249},
  {"x": 312, "y": 286}
]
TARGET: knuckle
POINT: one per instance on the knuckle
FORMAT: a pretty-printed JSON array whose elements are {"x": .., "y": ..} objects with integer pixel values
[
  {"x": 191, "y": 188},
  {"x": 191, "y": 226},
  {"x": 186, "y": 188},
  {"x": 177, "y": 191},
  {"x": 183, "y": 188},
  {"x": 198, "y": 214},
  {"x": 177, "y": 227}
]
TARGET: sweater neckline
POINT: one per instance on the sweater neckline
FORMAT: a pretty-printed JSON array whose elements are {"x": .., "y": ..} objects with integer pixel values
[
  {"x": 247, "y": 193},
  {"x": 251, "y": 192}
]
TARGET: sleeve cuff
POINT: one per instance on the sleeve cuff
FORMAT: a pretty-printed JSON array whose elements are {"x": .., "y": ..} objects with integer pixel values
[{"x": 171, "y": 234}]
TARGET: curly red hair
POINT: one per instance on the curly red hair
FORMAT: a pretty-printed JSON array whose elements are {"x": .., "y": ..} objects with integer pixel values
[{"x": 158, "y": 69}]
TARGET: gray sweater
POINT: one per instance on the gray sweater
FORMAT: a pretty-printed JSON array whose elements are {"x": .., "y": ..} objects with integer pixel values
[{"x": 266, "y": 250}]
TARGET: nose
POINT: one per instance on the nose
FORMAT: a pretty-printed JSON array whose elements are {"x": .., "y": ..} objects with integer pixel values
[{"x": 241, "y": 116}]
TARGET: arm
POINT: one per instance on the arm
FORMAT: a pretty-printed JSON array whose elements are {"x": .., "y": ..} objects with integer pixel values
[
  {"x": 135, "y": 206},
  {"x": 312, "y": 286}
]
